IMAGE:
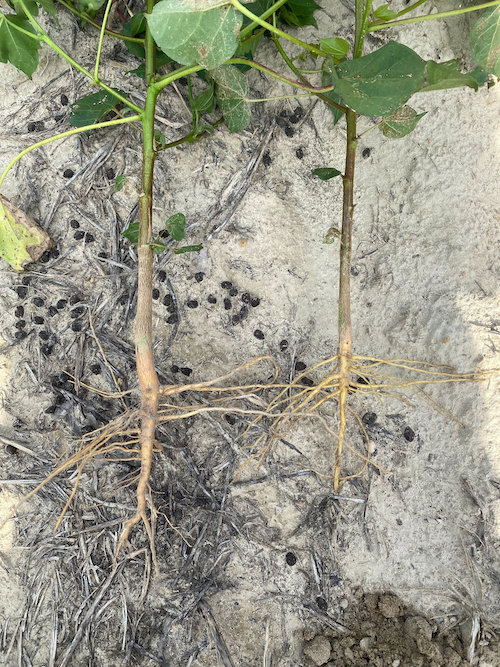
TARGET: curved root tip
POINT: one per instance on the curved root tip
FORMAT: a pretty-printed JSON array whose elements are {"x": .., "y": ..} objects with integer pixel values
[{"x": 139, "y": 516}]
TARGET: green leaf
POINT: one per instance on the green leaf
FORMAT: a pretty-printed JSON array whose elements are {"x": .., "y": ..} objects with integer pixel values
[
  {"x": 205, "y": 101},
  {"x": 400, "y": 123},
  {"x": 332, "y": 235},
  {"x": 231, "y": 91},
  {"x": 90, "y": 7},
  {"x": 299, "y": 13},
  {"x": 21, "y": 241},
  {"x": 157, "y": 246},
  {"x": 17, "y": 48},
  {"x": 485, "y": 40},
  {"x": 335, "y": 46},
  {"x": 120, "y": 182},
  {"x": 176, "y": 226},
  {"x": 327, "y": 80},
  {"x": 441, "y": 76},
  {"x": 161, "y": 60},
  {"x": 200, "y": 32},
  {"x": 383, "y": 13},
  {"x": 160, "y": 139},
  {"x": 188, "y": 248},
  {"x": 132, "y": 232},
  {"x": 89, "y": 109},
  {"x": 49, "y": 6},
  {"x": 326, "y": 173},
  {"x": 382, "y": 81},
  {"x": 247, "y": 49}
]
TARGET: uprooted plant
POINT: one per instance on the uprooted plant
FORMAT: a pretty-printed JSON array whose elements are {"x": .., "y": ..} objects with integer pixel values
[{"x": 217, "y": 41}]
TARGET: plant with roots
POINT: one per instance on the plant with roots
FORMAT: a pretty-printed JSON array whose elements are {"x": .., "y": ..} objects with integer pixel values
[{"x": 217, "y": 40}]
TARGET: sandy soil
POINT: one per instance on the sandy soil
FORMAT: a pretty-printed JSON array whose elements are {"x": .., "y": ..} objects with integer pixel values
[{"x": 268, "y": 568}]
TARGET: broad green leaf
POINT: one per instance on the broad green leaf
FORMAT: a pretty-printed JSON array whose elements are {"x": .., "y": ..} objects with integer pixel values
[
  {"x": 382, "y": 81},
  {"x": 120, "y": 182},
  {"x": 441, "y": 76},
  {"x": 400, "y": 123},
  {"x": 335, "y": 46},
  {"x": 91, "y": 7},
  {"x": 332, "y": 235},
  {"x": 17, "y": 48},
  {"x": 327, "y": 80},
  {"x": 383, "y": 13},
  {"x": 188, "y": 248},
  {"x": 205, "y": 101},
  {"x": 231, "y": 91},
  {"x": 299, "y": 13},
  {"x": 32, "y": 7},
  {"x": 485, "y": 40},
  {"x": 21, "y": 241},
  {"x": 49, "y": 6},
  {"x": 132, "y": 232},
  {"x": 89, "y": 109},
  {"x": 247, "y": 50},
  {"x": 197, "y": 32},
  {"x": 326, "y": 173},
  {"x": 176, "y": 226}
]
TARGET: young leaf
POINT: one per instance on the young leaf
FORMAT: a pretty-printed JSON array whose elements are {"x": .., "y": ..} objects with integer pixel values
[
  {"x": 132, "y": 232},
  {"x": 331, "y": 235},
  {"x": 205, "y": 101},
  {"x": 89, "y": 109},
  {"x": 120, "y": 182},
  {"x": 382, "y": 81},
  {"x": 176, "y": 226},
  {"x": 90, "y": 7},
  {"x": 335, "y": 46},
  {"x": 231, "y": 91},
  {"x": 485, "y": 40},
  {"x": 21, "y": 241},
  {"x": 160, "y": 139},
  {"x": 400, "y": 123},
  {"x": 441, "y": 76},
  {"x": 200, "y": 32},
  {"x": 298, "y": 13},
  {"x": 326, "y": 173},
  {"x": 17, "y": 48},
  {"x": 188, "y": 248},
  {"x": 383, "y": 13}
]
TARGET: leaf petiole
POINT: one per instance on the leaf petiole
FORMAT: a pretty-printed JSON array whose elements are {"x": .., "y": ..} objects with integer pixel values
[{"x": 373, "y": 27}]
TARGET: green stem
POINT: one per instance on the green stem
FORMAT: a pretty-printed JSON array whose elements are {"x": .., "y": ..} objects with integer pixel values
[
  {"x": 364, "y": 28},
  {"x": 247, "y": 30},
  {"x": 86, "y": 18},
  {"x": 256, "y": 19},
  {"x": 187, "y": 138},
  {"x": 69, "y": 133},
  {"x": 373, "y": 27},
  {"x": 101, "y": 38},
  {"x": 358, "y": 13}
]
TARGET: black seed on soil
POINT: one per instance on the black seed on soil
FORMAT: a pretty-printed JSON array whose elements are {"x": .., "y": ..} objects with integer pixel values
[
  {"x": 10, "y": 449},
  {"x": 183, "y": 81},
  {"x": 243, "y": 312},
  {"x": 54, "y": 253},
  {"x": 167, "y": 300},
  {"x": 235, "y": 319},
  {"x": 156, "y": 293},
  {"x": 289, "y": 131},
  {"x": 20, "y": 324},
  {"x": 78, "y": 236},
  {"x": 38, "y": 320},
  {"x": 26, "y": 280},
  {"x": 96, "y": 369},
  {"x": 50, "y": 410},
  {"x": 44, "y": 335},
  {"x": 284, "y": 113},
  {"x": 162, "y": 276},
  {"x": 300, "y": 366},
  {"x": 64, "y": 100},
  {"x": 192, "y": 304},
  {"x": 18, "y": 423},
  {"x": 174, "y": 368},
  {"x": 226, "y": 284},
  {"x": 335, "y": 580},
  {"x": 308, "y": 382},
  {"x": 52, "y": 311},
  {"x": 233, "y": 291},
  {"x": 267, "y": 159},
  {"x": 171, "y": 309},
  {"x": 211, "y": 299},
  {"x": 258, "y": 334},
  {"x": 76, "y": 326},
  {"x": 59, "y": 400},
  {"x": 58, "y": 117},
  {"x": 173, "y": 319},
  {"x": 366, "y": 152},
  {"x": 89, "y": 238},
  {"x": 110, "y": 173},
  {"x": 45, "y": 257},
  {"x": 47, "y": 349},
  {"x": 38, "y": 301},
  {"x": 255, "y": 302},
  {"x": 186, "y": 371},
  {"x": 283, "y": 345},
  {"x": 19, "y": 311},
  {"x": 164, "y": 234},
  {"x": 68, "y": 173},
  {"x": 369, "y": 418},
  {"x": 361, "y": 380},
  {"x": 299, "y": 153},
  {"x": 290, "y": 558},
  {"x": 231, "y": 419},
  {"x": 409, "y": 434},
  {"x": 20, "y": 335},
  {"x": 76, "y": 298},
  {"x": 31, "y": 127},
  {"x": 322, "y": 604},
  {"x": 299, "y": 112},
  {"x": 245, "y": 297},
  {"x": 74, "y": 224},
  {"x": 399, "y": 522},
  {"x": 21, "y": 292},
  {"x": 354, "y": 271},
  {"x": 76, "y": 312},
  {"x": 227, "y": 304},
  {"x": 102, "y": 255},
  {"x": 199, "y": 276}
]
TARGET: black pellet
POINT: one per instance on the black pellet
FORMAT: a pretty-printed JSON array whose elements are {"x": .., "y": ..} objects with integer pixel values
[
  {"x": 366, "y": 152},
  {"x": 96, "y": 369},
  {"x": 19, "y": 311},
  {"x": 47, "y": 349},
  {"x": 76, "y": 298},
  {"x": 110, "y": 173},
  {"x": 162, "y": 276},
  {"x": 227, "y": 304},
  {"x": 58, "y": 117},
  {"x": 20, "y": 324},
  {"x": 409, "y": 434},
  {"x": 44, "y": 335},
  {"x": 38, "y": 319},
  {"x": 267, "y": 159},
  {"x": 211, "y": 299},
  {"x": 233, "y": 291},
  {"x": 226, "y": 284},
  {"x": 174, "y": 368},
  {"x": 26, "y": 280},
  {"x": 283, "y": 345},
  {"x": 89, "y": 238},
  {"x": 290, "y": 558},
  {"x": 20, "y": 335},
  {"x": 299, "y": 153},
  {"x": 76, "y": 326},
  {"x": 354, "y": 271},
  {"x": 64, "y": 100},
  {"x": 199, "y": 276},
  {"x": 52, "y": 310},
  {"x": 300, "y": 366},
  {"x": 74, "y": 224},
  {"x": 60, "y": 400},
  {"x": 78, "y": 236},
  {"x": 22, "y": 292},
  {"x": 10, "y": 449},
  {"x": 322, "y": 604},
  {"x": 18, "y": 423},
  {"x": 369, "y": 418},
  {"x": 50, "y": 410},
  {"x": 243, "y": 312},
  {"x": 171, "y": 309},
  {"x": 231, "y": 419},
  {"x": 173, "y": 319},
  {"x": 31, "y": 127},
  {"x": 255, "y": 302},
  {"x": 362, "y": 380},
  {"x": 308, "y": 382},
  {"x": 102, "y": 255},
  {"x": 192, "y": 304},
  {"x": 68, "y": 173},
  {"x": 62, "y": 303},
  {"x": 44, "y": 257},
  {"x": 245, "y": 297},
  {"x": 235, "y": 319},
  {"x": 258, "y": 334},
  {"x": 76, "y": 312},
  {"x": 54, "y": 253},
  {"x": 289, "y": 131},
  {"x": 156, "y": 294},
  {"x": 167, "y": 300},
  {"x": 38, "y": 301},
  {"x": 183, "y": 81},
  {"x": 186, "y": 371}
]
